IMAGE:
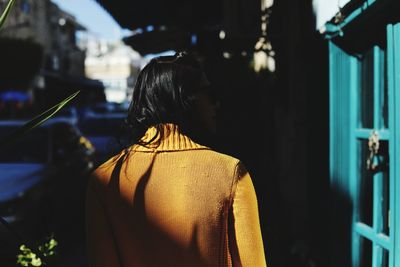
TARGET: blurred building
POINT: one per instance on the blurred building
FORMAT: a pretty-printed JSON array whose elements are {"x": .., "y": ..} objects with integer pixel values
[
  {"x": 45, "y": 23},
  {"x": 115, "y": 64},
  {"x": 61, "y": 65}
]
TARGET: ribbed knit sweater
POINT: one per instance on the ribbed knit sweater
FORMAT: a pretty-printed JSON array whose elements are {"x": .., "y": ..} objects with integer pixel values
[{"x": 172, "y": 203}]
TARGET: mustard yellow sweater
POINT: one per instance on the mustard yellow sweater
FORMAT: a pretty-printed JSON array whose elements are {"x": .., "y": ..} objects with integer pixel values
[{"x": 175, "y": 204}]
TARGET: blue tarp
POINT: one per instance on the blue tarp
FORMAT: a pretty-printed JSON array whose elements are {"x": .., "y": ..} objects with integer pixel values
[{"x": 8, "y": 96}]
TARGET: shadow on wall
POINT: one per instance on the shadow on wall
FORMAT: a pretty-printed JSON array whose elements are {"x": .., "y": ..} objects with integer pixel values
[
  {"x": 340, "y": 228},
  {"x": 300, "y": 111}
]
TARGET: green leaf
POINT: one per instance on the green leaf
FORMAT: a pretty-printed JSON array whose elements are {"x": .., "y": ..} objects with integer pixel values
[
  {"x": 27, "y": 257},
  {"x": 6, "y": 12},
  {"x": 49, "y": 248},
  {"x": 35, "y": 122}
]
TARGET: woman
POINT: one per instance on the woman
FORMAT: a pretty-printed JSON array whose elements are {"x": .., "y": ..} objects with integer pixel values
[{"x": 167, "y": 200}]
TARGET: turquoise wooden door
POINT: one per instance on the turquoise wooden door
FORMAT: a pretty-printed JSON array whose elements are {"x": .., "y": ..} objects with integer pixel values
[
  {"x": 365, "y": 146},
  {"x": 393, "y": 35}
]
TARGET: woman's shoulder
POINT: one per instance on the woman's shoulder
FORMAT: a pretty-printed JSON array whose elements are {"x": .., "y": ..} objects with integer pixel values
[
  {"x": 102, "y": 174},
  {"x": 218, "y": 159},
  {"x": 220, "y": 155}
]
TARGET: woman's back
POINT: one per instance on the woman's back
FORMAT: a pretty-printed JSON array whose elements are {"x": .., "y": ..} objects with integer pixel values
[{"x": 175, "y": 204}]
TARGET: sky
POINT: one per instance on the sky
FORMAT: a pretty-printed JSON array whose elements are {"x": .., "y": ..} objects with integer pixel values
[
  {"x": 326, "y": 9},
  {"x": 92, "y": 15}
]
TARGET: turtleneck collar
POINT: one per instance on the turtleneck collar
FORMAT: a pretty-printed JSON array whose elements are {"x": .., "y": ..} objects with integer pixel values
[{"x": 172, "y": 140}]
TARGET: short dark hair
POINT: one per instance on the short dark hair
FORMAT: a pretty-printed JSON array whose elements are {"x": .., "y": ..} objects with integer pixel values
[{"x": 164, "y": 93}]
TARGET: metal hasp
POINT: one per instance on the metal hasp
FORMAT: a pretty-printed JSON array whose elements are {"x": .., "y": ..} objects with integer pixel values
[{"x": 373, "y": 146}]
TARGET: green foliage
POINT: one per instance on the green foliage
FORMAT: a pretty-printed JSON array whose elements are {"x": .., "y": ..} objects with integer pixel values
[
  {"x": 6, "y": 12},
  {"x": 35, "y": 122},
  {"x": 48, "y": 248},
  {"x": 28, "y": 258}
]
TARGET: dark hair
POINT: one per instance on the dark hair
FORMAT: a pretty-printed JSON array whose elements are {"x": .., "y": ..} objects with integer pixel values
[{"x": 164, "y": 93}]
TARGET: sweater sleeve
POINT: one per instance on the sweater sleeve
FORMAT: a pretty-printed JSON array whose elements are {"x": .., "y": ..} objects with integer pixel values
[
  {"x": 245, "y": 240},
  {"x": 100, "y": 243}
]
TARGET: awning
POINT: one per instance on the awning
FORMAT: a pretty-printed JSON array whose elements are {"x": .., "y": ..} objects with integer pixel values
[
  {"x": 184, "y": 14},
  {"x": 162, "y": 25},
  {"x": 158, "y": 41}
]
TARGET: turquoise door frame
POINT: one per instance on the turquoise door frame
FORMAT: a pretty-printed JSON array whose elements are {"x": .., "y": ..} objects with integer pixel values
[
  {"x": 346, "y": 135},
  {"x": 393, "y": 59}
]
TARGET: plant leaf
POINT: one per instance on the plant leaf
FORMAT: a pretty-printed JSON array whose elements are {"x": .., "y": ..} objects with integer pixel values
[
  {"x": 6, "y": 12},
  {"x": 35, "y": 122}
]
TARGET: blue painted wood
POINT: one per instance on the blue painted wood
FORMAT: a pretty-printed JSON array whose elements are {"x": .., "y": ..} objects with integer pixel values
[
  {"x": 377, "y": 83},
  {"x": 332, "y": 122},
  {"x": 345, "y": 135},
  {"x": 340, "y": 132},
  {"x": 396, "y": 129},
  {"x": 378, "y": 177},
  {"x": 393, "y": 171},
  {"x": 369, "y": 233},
  {"x": 357, "y": 12},
  {"x": 353, "y": 153},
  {"x": 381, "y": 84},
  {"x": 365, "y": 134},
  {"x": 343, "y": 68},
  {"x": 377, "y": 255},
  {"x": 377, "y": 203}
]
